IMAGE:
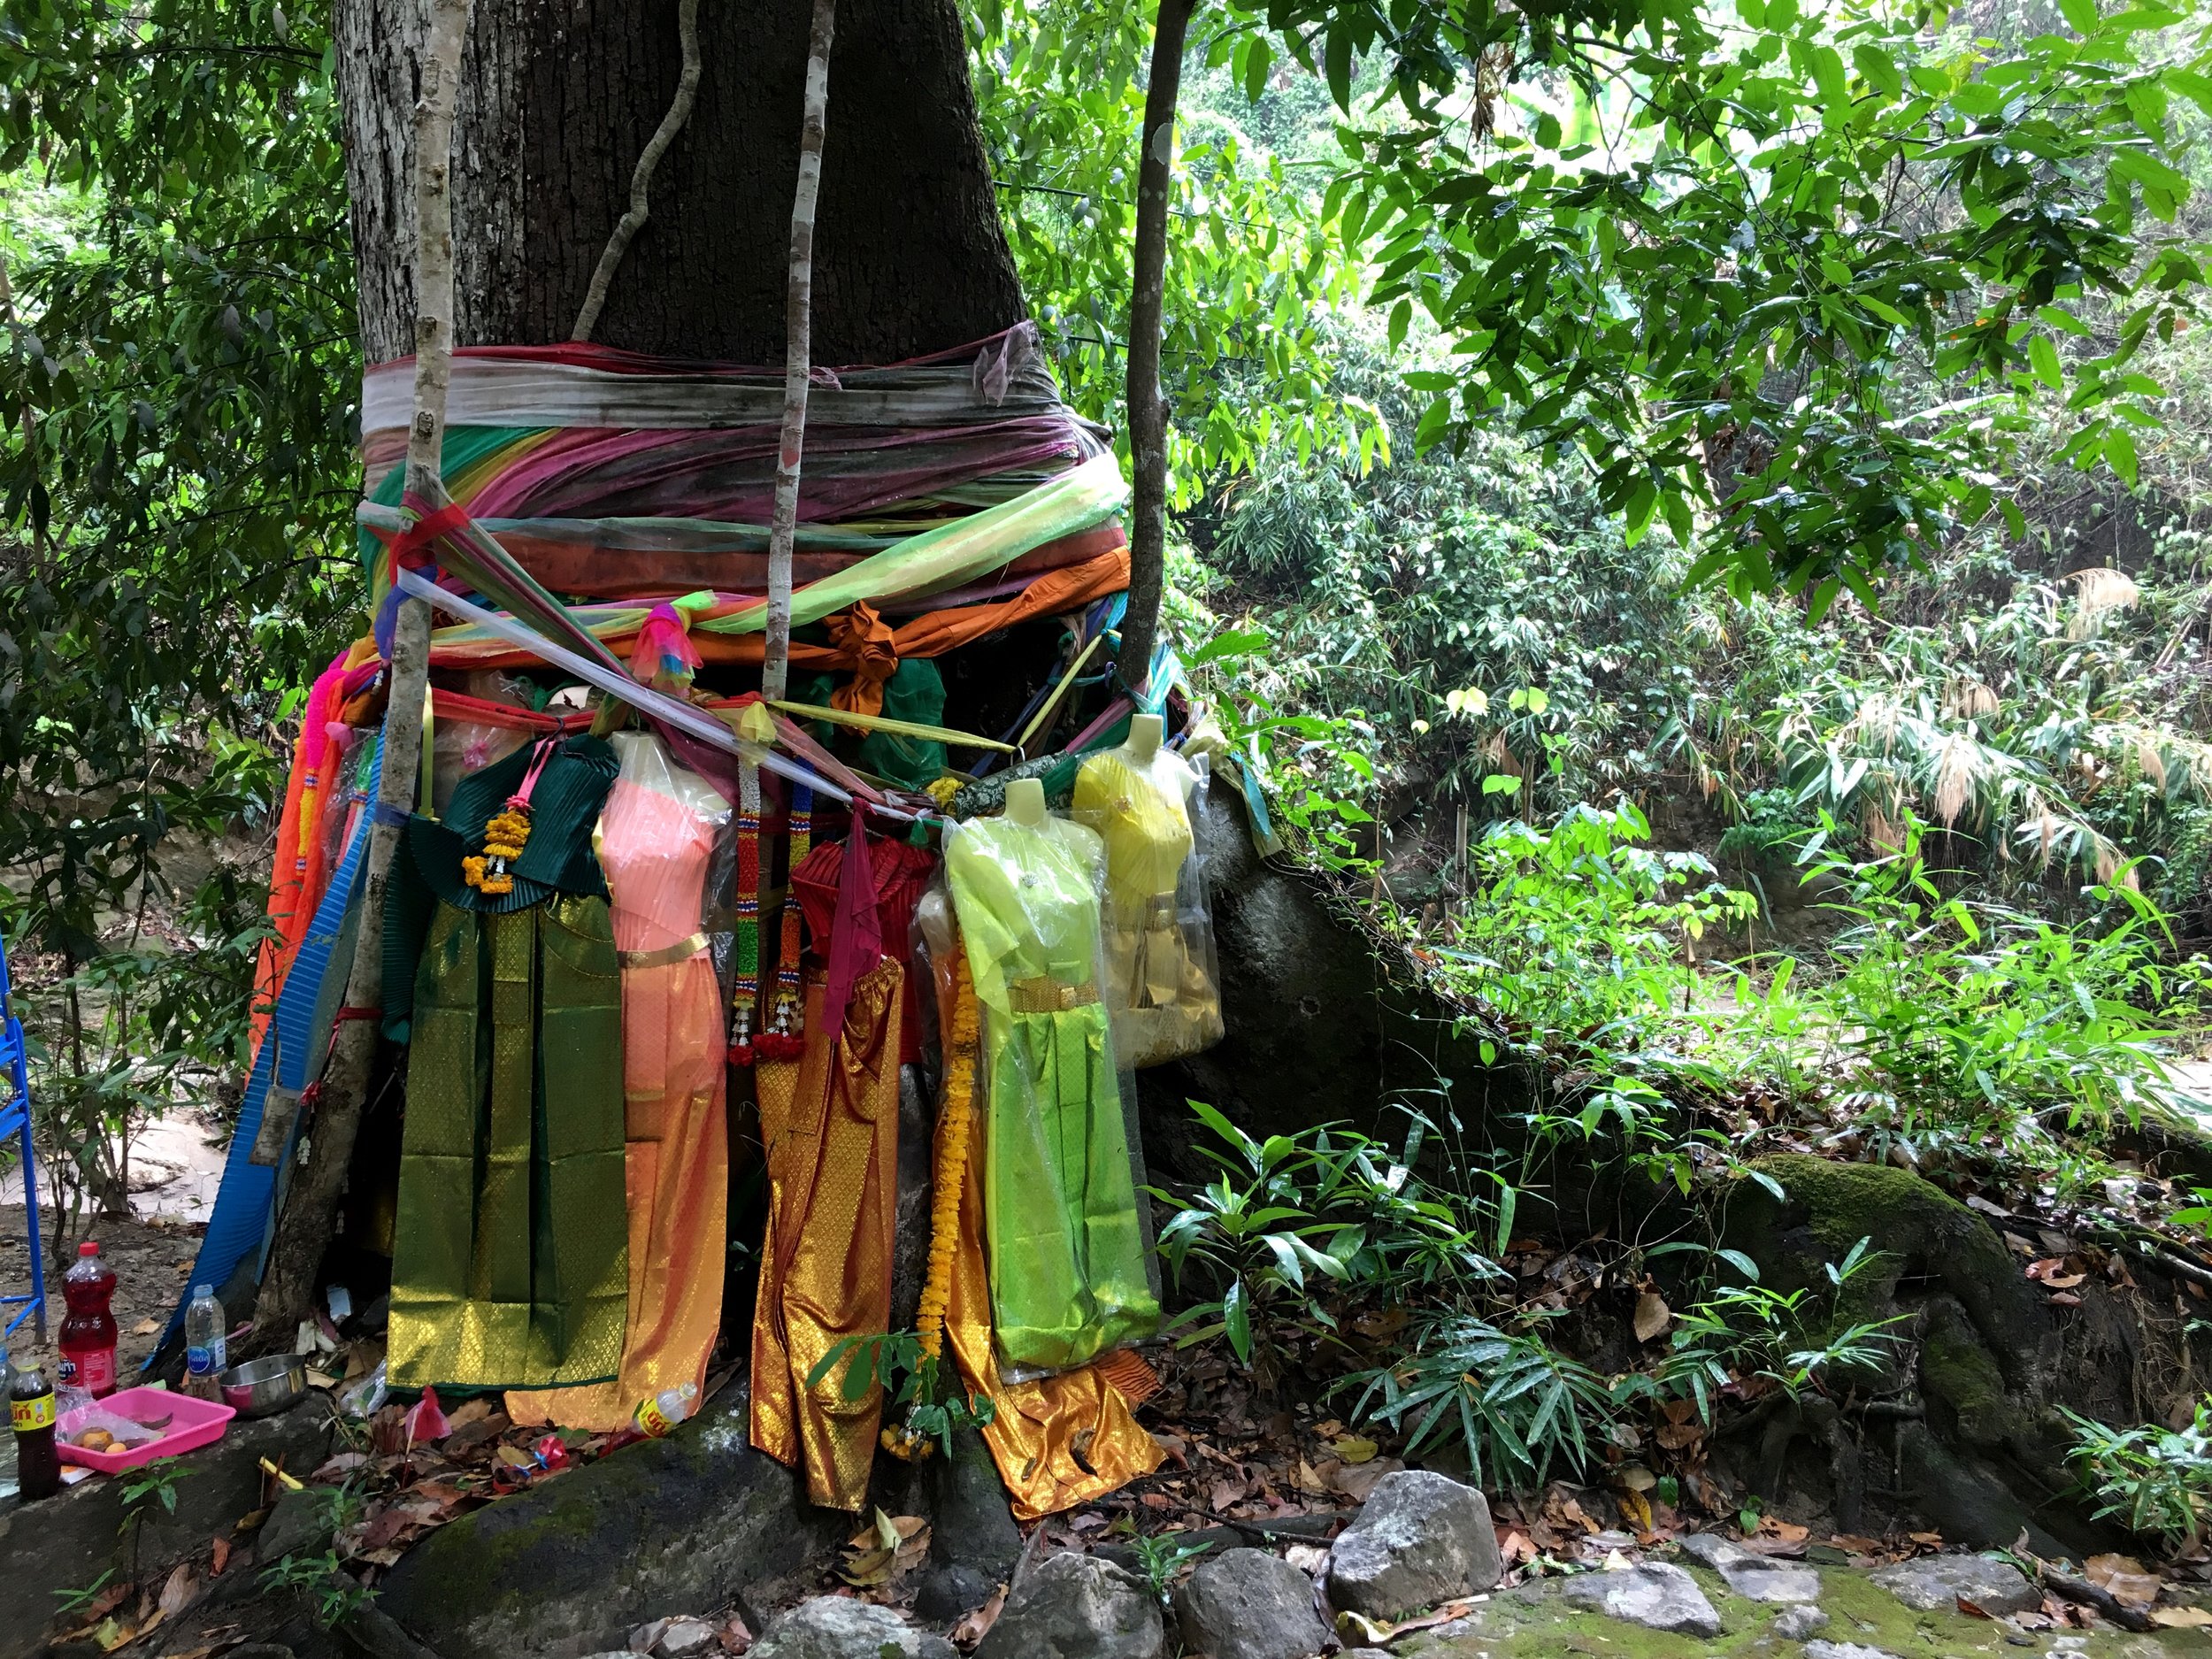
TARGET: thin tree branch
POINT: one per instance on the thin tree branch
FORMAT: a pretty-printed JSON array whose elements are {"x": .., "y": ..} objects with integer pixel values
[
  {"x": 783, "y": 525},
  {"x": 656, "y": 147},
  {"x": 1147, "y": 413}
]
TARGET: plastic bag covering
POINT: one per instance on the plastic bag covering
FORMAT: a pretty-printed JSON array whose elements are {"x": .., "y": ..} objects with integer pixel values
[
  {"x": 1070, "y": 1274},
  {"x": 1161, "y": 985}
]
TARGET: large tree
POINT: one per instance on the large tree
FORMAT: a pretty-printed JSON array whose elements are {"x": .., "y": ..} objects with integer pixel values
[{"x": 557, "y": 104}]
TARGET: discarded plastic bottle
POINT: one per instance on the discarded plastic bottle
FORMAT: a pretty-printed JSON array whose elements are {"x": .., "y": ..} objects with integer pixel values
[
  {"x": 664, "y": 1411},
  {"x": 31, "y": 1413},
  {"x": 206, "y": 1348},
  {"x": 88, "y": 1335}
]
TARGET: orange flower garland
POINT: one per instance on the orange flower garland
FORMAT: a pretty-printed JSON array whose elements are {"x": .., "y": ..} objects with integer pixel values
[
  {"x": 505, "y": 838},
  {"x": 953, "y": 1136}
]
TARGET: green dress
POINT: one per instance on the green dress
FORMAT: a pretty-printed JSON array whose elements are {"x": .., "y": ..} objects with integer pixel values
[
  {"x": 509, "y": 1263},
  {"x": 1069, "y": 1273}
]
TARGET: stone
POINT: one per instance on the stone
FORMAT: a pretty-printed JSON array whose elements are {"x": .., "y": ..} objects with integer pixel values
[
  {"x": 838, "y": 1627},
  {"x": 1249, "y": 1604},
  {"x": 1077, "y": 1607},
  {"x": 1797, "y": 1624},
  {"x": 1755, "y": 1576},
  {"x": 694, "y": 1519},
  {"x": 299, "y": 1525},
  {"x": 1845, "y": 1651},
  {"x": 1656, "y": 1595},
  {"x": 970, "y": 1524},
  {"x": 1423, "y": 1539},
  {"x": 1996, "y": 1588},
  {"x": 684, "y": 1638},
  {"x": 76, "y": 1535},
  {"x": 949, "y": 1590}
]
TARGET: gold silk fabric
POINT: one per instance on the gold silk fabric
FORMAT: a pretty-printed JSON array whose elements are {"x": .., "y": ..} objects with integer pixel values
[
  {"x": 655, "y": 848},
  {"x": 1156, "y": 939},
  {"x": 509, "y": 1263},
  {"x": 1067, "y": 1249},
  {"x": 1058, "y": 1440},
  {"x": 829, "y": 1124}
]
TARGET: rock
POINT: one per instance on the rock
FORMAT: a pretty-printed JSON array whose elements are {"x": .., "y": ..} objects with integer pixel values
[
  {"x": 838, "y": 1627},
  {"x": 1845, "y": 1651},
  {"x": 693, "y": 1519},
  {"x": 76, "y": 1535},
  {"x": 949, "y": 1590},
  {"x": 1996, "y": 1588},
  {"x": 1077, "y": 1607},
  {"x": 1249, "y": 1604},
  {"x": 298, "y": 1526},
  {"x": 1422, "y": 1539},
  {"x": 1656, "y": 1595},
  {"x": 970, "y": 1523},
  {"x": 1755, "y": 1576},
  {"x": 683, "y": 1638},
  {"x": 1798, "y": 1623}
]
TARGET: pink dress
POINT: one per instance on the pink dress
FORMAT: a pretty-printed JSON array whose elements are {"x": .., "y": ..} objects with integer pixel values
[{"x": 654, "y": 849}]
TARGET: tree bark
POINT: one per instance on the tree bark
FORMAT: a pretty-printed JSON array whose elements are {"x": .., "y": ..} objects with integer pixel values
[
  {"x": 1147, "y": 416},
  {"x": 557, "y": 102}
]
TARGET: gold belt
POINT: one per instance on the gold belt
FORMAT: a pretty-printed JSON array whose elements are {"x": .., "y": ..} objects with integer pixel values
[
  {"x": 683, "y": 950},
  {"x": 1046, "y": 995}
]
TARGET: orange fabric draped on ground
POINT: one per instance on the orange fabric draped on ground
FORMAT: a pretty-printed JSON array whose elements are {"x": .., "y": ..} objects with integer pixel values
[{"x": 829, "y": 1124}]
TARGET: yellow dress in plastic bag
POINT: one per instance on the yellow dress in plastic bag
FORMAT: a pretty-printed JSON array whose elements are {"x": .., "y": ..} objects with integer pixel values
[
  {"x": 1070, "y": 1270},
  {"x": 1157, "y": 938}
]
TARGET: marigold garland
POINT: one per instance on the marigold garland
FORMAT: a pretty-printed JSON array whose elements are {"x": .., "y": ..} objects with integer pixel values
[
  {"x": 955, "y": 1130},
  {"x": 505, "y": 838}
]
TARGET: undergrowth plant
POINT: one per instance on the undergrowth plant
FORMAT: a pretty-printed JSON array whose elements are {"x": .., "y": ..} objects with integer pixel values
[{"x": 2155, "y": 1482}]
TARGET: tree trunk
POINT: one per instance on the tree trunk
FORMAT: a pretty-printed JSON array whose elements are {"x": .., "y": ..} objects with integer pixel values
[{"x": 557, "y": 104}]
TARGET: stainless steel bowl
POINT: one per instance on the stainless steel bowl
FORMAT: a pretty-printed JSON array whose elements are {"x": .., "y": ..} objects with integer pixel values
[{"x": 262, "y": 1388}]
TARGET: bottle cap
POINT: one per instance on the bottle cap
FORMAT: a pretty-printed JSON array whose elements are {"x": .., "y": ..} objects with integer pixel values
[
  {"x": 199, "y": 1291},
  {"x": 89, "y": 1247}
]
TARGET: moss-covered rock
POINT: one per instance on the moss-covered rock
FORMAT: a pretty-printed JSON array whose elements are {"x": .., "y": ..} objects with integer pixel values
[{"x": 685, "y": 1524}]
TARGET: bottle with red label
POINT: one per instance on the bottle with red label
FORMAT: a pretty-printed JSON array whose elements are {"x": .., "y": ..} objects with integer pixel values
[{"x": 87, "y": 1335}]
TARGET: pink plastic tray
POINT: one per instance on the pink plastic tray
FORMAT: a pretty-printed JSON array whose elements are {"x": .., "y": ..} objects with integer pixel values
[{"x": 192, "y": 1424}]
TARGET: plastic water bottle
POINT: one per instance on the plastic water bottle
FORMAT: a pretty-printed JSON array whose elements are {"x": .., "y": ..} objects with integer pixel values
[
  {"x": 87, "y": 1335},
  {"x": 206, "y": 1348},
  {"x": 664, "y": 1411}
]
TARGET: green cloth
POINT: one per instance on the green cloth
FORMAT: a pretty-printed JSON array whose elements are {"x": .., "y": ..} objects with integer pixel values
[
  {"x": 511, "y": 1261},
  {"x": 915, "y": 693},
  {"x": 1068, "y": 1264},
  {"x": 564, "y": 805}
]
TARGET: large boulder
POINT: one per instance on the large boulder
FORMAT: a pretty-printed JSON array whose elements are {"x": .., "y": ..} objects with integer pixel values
[
  {"x": 838, "y": 1627},
  {"x": 1421, "y": 1539},
  {"x": 695, "y": 1519},
  {"x": 1249, "y": 1604},
  {"x": 1077, "y": 1607}
]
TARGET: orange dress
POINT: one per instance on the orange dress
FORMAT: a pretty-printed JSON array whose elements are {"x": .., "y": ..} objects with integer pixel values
[{"x": 653, "y": 848}]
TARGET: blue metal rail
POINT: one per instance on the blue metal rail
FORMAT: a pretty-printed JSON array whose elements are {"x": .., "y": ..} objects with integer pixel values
[{"x": 15, "y": 1119}]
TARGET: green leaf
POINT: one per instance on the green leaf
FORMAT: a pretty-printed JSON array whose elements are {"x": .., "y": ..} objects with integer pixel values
[
  {"x": 2119, "y": 451},
  {"x": 2043, "y": 359},
  {"x": 2081, "y": 15},
  {"x": 1879, "y": 70},
  {"x": 1236, "y": 1319}
]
